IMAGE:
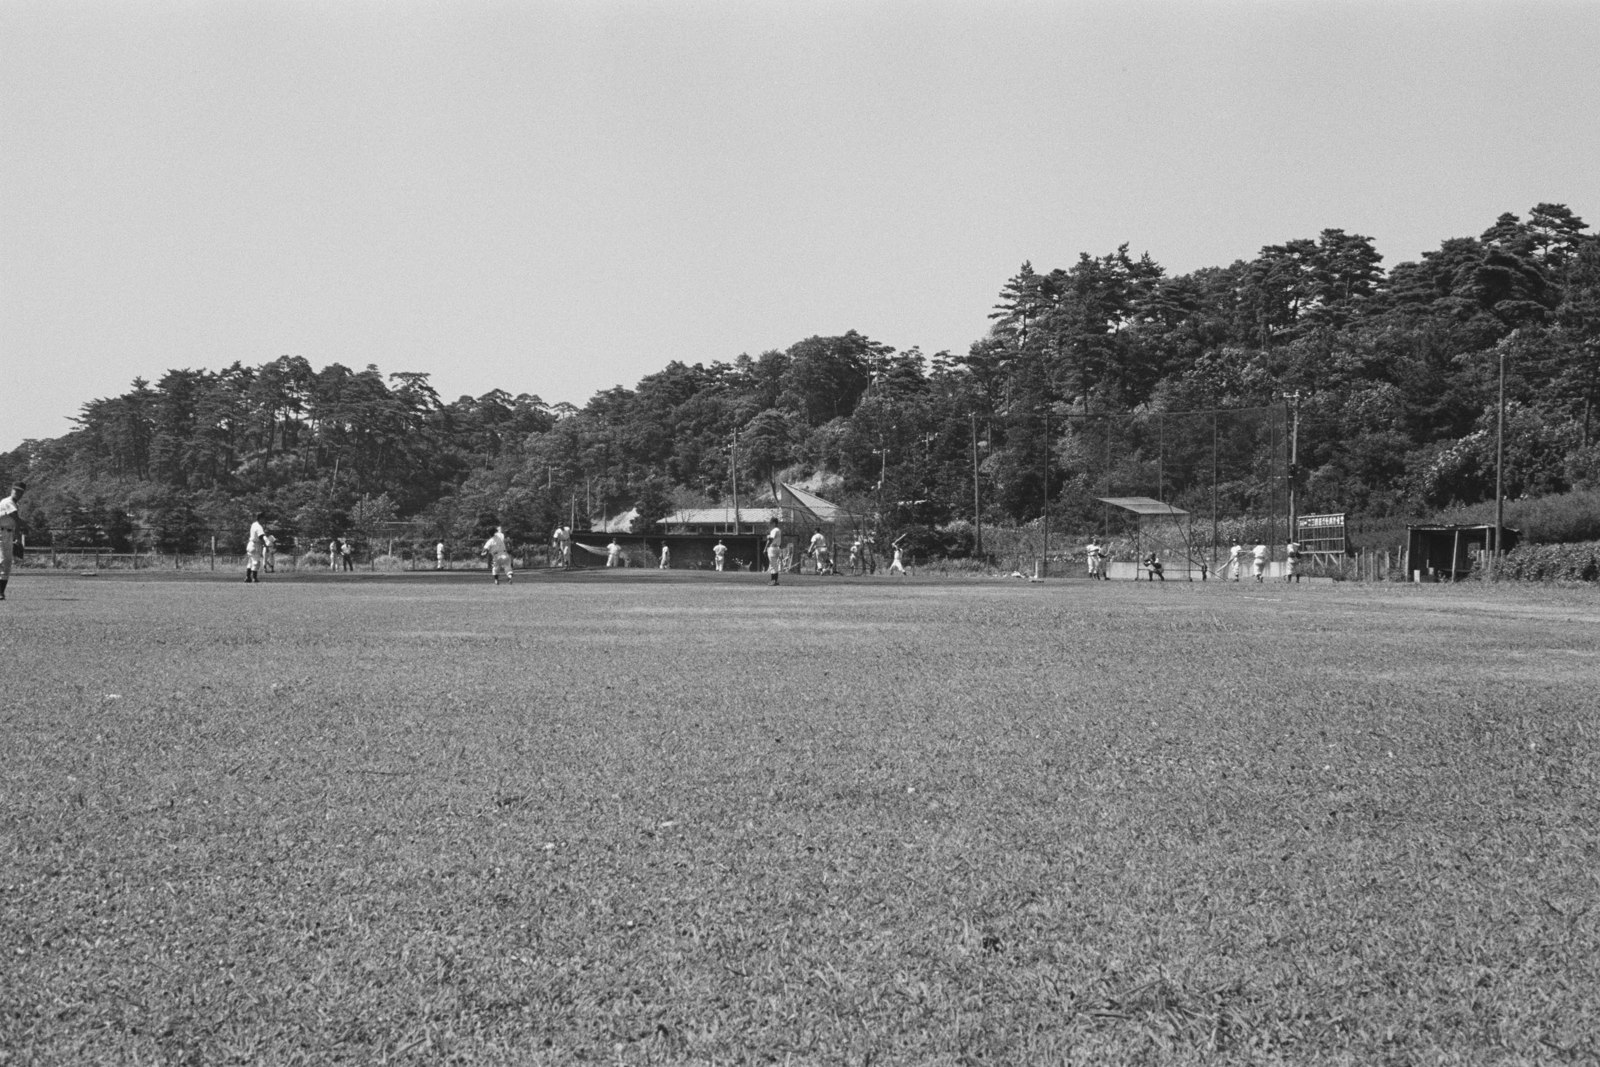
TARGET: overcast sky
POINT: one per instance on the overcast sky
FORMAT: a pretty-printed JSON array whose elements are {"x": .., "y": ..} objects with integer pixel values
[{"x": 555, "y": 198}]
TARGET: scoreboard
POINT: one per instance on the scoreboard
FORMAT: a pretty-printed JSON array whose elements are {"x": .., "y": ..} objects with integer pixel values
[{"x": 1321, "y": 535}]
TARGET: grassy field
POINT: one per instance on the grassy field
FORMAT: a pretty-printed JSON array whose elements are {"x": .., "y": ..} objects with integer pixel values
[{"x": 640, "y": 818}]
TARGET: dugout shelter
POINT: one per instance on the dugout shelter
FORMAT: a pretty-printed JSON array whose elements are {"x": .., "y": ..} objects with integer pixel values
[{"x": 1447, "y": 552}]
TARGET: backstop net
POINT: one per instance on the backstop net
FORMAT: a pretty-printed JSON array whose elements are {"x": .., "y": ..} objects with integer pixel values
[{"x": 1225, "y": 469}]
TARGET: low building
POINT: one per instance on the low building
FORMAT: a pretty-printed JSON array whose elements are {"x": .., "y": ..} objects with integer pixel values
[{"x": 692, "y": 533}]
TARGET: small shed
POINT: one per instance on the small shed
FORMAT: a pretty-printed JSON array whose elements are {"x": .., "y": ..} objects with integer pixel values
[{"x": 1447, "y": 551}]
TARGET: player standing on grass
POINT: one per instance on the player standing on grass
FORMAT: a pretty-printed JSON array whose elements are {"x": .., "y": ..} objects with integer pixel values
[
  {"x": 10, "y": 527},
  {"x": 899, "y": 564},
  {"x": 774, "y": 548},
  {"x": 254, "y": 548},
  {"x": 666, "y": 557},
  {"x": 719, "y": 553},
  {"x": 819, "y": 551},
  {"x": 613, "y": 554},
  {"x": 560, "y": 547},
  {"x": 1092, "y": 554},
  {"x": 499, "y": 555},
  {"x": 347, "y": 554},
  {"x": 1291, "y": 553},
  {"x": 1260, "y": 559},
  {"x": 1236, "y": 560}
]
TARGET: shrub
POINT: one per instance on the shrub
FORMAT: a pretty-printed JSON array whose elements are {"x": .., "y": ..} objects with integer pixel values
[{"x": 1553, "y": 563}]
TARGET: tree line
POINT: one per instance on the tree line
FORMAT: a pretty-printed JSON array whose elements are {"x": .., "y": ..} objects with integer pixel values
[{"x": 1396, "y": 376}]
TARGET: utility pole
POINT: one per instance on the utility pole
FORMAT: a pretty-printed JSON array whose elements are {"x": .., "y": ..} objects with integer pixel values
[
  {"x": 1499, "y": 464},
  {"x": 1294, "y": 461},
  {"x": 977, "y": 509},
  {"x": 1044, "y": 560},
  {"x": 883, "y": 478}
]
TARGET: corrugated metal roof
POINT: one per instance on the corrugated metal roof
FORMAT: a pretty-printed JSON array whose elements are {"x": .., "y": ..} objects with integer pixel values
[
  {"x": 797, "y": 506},
  {"x": 826, "y": 511},
  {"x": 723, "y": 516},
  {"x": 1142, "y": 505}
]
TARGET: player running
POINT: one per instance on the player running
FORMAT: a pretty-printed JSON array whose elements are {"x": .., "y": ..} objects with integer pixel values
[
  {"x": 499, "y": 555},
  {"x": 819, "y": 552}
]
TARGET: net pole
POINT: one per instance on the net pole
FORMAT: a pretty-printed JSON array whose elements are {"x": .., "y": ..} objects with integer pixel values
[
  {"x": 1105, "y": 509},
  {"x": 1161, "y": 457},
  {"x": 1272, "y": 485},
  {"x": 1213, "y": 486}
]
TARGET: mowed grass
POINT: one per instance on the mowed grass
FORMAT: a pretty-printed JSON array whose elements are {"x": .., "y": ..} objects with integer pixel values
[{"x": 622, "y": 819}]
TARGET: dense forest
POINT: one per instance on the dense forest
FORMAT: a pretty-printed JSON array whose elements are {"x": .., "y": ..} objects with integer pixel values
[{"x": 1395, "y": 376}]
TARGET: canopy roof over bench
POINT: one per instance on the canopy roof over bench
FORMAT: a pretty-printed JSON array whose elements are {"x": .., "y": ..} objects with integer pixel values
[{"x": 1142, "y": 505}]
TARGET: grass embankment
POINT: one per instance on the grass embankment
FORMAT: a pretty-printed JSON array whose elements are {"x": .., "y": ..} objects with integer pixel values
[{"x": 629, "y": 820}]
